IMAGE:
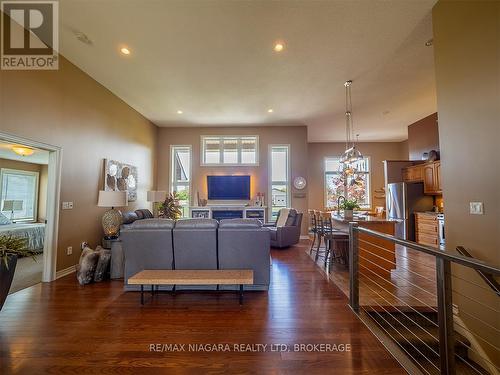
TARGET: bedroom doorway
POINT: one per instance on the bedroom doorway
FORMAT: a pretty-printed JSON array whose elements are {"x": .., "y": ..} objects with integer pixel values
[{"x": 29, "y": 205}]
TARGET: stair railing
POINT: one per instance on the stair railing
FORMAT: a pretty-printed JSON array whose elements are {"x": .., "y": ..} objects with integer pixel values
[{"x": 400, "y": 285}]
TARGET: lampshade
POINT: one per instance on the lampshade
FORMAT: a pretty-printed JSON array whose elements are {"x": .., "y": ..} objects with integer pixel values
[
  {"x": 12, "y": 205},
  {"x": 156, "y": 196},
  {"x": 112, "y": 198}
]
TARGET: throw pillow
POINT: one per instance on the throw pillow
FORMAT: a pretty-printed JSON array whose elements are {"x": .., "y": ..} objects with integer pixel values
[
  {"x": 102, "y": 267},
  {"x": 85, "y": 268},
  {"x": 129, "y": 217}
]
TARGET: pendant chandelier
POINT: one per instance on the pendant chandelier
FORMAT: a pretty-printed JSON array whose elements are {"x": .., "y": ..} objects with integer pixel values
[{"x": 351, "y": 153}]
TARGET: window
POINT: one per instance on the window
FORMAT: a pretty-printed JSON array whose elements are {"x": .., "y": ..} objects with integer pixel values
[
  {"x": 181, "y": 176},
  {"x": 279, "y": 167},
  {"x": 352, "y": 184},
  {"x": 19, "y": 194},
  {"x": 229, "y": 150}
]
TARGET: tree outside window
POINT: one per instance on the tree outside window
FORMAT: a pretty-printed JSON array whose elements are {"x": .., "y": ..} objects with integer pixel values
[{"x": 352, "y": 182}]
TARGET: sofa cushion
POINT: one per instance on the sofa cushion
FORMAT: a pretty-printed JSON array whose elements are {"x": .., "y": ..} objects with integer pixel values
[
  {"x": 240, "y": 223},
  {"x": 152, "y": 224},
  {"x": 129, "y": 217},
  {"x": 196, "y": 224},
  {"x": 292, "y": 217}
]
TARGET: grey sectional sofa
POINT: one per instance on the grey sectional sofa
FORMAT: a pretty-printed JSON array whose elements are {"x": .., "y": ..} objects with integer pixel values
[{"x": 198, "y": 244}]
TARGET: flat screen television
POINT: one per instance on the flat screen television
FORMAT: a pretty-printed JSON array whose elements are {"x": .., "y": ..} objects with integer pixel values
[{"x": 228, "y": 187}]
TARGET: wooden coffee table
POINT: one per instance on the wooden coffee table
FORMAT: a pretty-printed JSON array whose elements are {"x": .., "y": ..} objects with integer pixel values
[{"x": 191, "y": 277}]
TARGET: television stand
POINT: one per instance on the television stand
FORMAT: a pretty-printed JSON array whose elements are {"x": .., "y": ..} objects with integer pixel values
[{"x": 229, "y": 211}]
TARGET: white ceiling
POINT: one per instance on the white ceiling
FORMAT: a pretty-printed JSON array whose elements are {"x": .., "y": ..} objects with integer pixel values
[{"x": 214, "y": 60}]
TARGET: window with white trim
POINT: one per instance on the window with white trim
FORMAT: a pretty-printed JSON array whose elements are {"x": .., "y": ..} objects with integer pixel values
[
  {"x": 180, "y": 180},
  {"x": 353, "y": 184},
  {"x": 279, "y": 166},
  {"x": 19, "y": 194},
  {"x": 230, "y": 150}
]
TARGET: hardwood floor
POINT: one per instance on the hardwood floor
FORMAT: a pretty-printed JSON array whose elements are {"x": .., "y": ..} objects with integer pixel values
[
  {"x": 411, "y": 283},
  {"x": 65, "y": 328}
]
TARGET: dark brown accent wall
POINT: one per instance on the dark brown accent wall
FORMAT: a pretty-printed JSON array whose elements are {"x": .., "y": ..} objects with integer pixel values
[{"x": 423, "y": 136}]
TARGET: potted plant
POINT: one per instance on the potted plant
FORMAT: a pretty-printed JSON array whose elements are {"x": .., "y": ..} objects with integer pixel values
[
  {"x": 170, "y": 208},
  {"x": 10, "y": 249},
  {"x": 349, "y": 206}
]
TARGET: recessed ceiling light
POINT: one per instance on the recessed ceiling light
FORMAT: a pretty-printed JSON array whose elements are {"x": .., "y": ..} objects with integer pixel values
[
  {"x": 125, "y": 51},
  {"x": 270, "y": 110},
  {"x": 279, "y": 46},
  {"x": 179, "y": 112},
  {"x": 429, "y": 43}
]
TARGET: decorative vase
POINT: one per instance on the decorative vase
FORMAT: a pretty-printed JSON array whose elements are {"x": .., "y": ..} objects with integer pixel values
[
  {"x": 6, "y": 276},
  {"x": 348, "y": 214}
]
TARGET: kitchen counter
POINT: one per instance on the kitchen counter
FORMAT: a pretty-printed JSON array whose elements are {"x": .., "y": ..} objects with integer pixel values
[
  {"x": 377, "y": 256},
  {"x": 362, "y": 219}
]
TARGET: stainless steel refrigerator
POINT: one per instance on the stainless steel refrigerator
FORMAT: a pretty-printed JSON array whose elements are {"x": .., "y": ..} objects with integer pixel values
[{"x": 402, "y": 200}]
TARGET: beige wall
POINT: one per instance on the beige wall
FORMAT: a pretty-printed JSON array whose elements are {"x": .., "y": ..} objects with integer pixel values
[
  {"x": 423, "y": 136},
  {"x": 42, "y": 181},
  {"x": 295, "y": 136},
  {"x": 466, "y": 50},
  {"x": 377, "y": 151},
  {"x": 69, "y": 109}
]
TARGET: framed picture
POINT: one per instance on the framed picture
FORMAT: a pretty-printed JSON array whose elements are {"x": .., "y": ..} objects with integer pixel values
[{"x": 120, "y": 176}]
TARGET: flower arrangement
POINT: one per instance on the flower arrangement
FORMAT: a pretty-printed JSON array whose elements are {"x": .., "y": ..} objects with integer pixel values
[{"x": 349, "y": 205}]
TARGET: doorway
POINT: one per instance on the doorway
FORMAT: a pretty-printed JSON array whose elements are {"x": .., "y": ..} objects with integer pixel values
[{"x": 30, "y": 174}]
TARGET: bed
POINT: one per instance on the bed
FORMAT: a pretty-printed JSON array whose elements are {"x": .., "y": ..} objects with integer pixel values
[{"x": 33, "y": 232}]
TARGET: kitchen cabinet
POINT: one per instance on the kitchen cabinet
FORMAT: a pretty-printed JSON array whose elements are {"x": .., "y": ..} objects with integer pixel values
[
  {"x": 428, "y": 173},
  {"x": 427, "y": 229},
  {"x": 432, "y": 180}
]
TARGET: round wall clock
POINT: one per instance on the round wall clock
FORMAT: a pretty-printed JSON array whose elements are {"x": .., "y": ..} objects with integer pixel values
[{"x": 299, "y": 183}]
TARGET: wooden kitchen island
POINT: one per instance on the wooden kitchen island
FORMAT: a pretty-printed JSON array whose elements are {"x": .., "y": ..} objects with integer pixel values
[{"x": 376, "y": 255}]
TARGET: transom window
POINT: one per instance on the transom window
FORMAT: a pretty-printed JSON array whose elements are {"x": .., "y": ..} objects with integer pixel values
[
  {"x": 229, "y": 150},
  {"x": 19, "y": 194},
  {"x": 353, "y": 184}
]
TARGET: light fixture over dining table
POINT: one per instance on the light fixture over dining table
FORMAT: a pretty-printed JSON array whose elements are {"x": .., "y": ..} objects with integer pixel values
[{"x": 351, "y": 153}]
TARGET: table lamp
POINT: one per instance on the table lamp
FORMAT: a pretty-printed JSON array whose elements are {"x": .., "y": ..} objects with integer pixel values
[
  {"x": 12, "y": 205},
  {"x": 112, "y": 219},
  {"x": 156, "y": 197}
]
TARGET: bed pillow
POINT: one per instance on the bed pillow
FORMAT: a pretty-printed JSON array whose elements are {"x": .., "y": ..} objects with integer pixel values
[{"x": 4, "y": 220}]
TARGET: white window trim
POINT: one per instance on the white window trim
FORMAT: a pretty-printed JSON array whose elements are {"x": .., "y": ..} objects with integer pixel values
[
  {"x": 270, "y": 180},
  {"x": 221, "y": 163},
  {"x": 172, "y": 170},
  {"x": 35, "y": 195},
  {"x": 325, "y": 194}
]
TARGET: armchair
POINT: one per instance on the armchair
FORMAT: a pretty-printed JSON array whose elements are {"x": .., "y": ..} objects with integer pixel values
[{"x": 285, "y": 233}]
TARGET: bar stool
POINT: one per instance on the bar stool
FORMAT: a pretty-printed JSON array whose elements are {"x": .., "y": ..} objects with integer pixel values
[
  {"x": 313, "y": 228},
  {"x": 341, "y": 246},
  {"x": 332, "y": 237},
  {"x": 320, "y": 233}
]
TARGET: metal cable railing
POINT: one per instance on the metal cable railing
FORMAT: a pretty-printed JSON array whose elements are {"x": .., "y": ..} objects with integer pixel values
[{"x": 408, "y": 291}]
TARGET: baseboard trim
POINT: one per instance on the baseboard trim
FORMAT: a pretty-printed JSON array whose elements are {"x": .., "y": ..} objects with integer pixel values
[
  {"x": 65, "y": 272},
  {"x": 304, "y": 237}
]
